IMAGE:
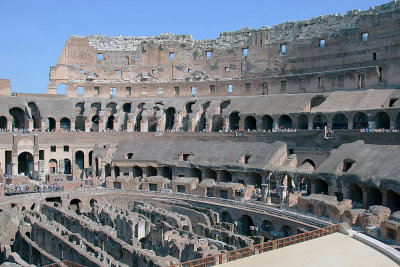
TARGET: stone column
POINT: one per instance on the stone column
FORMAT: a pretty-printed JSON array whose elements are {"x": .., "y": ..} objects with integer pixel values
[
  {"x": 57, "y": 125},
  {"x": 282, "y": 193},
  {"x": 265, "y": 190}
]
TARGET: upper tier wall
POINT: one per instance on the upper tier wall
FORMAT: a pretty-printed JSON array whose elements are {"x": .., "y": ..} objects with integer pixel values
[{"x": 334, "y": 52}]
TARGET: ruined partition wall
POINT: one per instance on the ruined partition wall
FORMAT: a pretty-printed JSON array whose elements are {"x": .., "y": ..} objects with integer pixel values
[{"x": 334, "y": 52}]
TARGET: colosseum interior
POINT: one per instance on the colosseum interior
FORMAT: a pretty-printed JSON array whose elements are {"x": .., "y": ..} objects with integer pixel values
[{"x": 170, "y": 151}]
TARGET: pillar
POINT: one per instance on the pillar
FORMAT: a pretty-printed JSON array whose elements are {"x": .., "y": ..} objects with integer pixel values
[
  {"x": 57, "y": 124},
  {"x": 282, "y": 193}
]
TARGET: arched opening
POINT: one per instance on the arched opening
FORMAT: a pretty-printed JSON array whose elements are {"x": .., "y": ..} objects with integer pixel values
[
  {"x": 321, "y": 187},
  {"x": 226, "y": 217},
  {"x": 302, "y": 122},
  {"x": 217, "y": 123},
  {"x": 255, "y": 179},
  {"x": 51, "y": 124},
  {"x": 95, "y": 123},
  {"x": 138, "y": 121},
  {"x": 80, "y": 123},
  {"x": 126, "y": 108},
  {"x": 92, "y": 202},
  {"x": 137, "y": 171},
  {"x": 382, "y": 120},
  {"x": 110, "y": 122},
  {"x": 185, "y": 120},
  {"x": 393, "y": 200},
  {"x": 67, "y": 166},
  {"x": 339, "y": 121},
  {"x": 196, "y": 173},
  {"x": 169, "y": 118},
  {"x": 151, "y": 171},
  {"x": 25, "y": 164},
  {"x": 80, "y": 159},
  {"x": 75, "y": 205},
  {"x": 316, "y": 101},
  {"x": 309, "y": 161},
  {"x": 374, "y": 196},
  {"x": 285, "y": 122},
  {"x": 267, "y": 123},
  {"x": 223, "y": 106},
  {"x": 360, "y": 121},
  {"x": 201, "y": 124},
  {"x": 234, "y": 121},
  {"x": 65, "y": 124},
  {"x": 35, "y": 115},
  {"x": 90, "y": 158},
  {"x": 210, "y": 174},
  {"x": 3, "y": 122},
  {"x": 319, "y": 121},
  {"x": 226, "y": 176},
  {"x": 18, "y": 118},
  {"x": 250, "y": 123},
  {"x": 52, "y": 166},
  {"x": 267, "y": 226},
  {"x": 244, "y": 225},
  {"x": 61, "y": 89},
  {"x": 166, "y": 172},
  {"x": 286, "y": 230},
  {"x": 356, "y": 195}
]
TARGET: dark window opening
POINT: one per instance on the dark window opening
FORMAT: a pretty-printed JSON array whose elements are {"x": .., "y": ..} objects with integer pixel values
[
  {"x": 177, "y": 90},
  {"x": 283, "y": 86},
  {"x": 185, "y": 157},
  {"x": 248, "y": 87},
  {"x": 361, "y": 81},
  {"x": 321, "y": 82},
  {"x": 347, "y": 164},
  {"x": 374, "y": 56},
  {"x": 41, "y": 154},
  {"x": 128, "y": 90},
  {"x": 53, "y": 148},
  {"x": 96, "y": 90},
  {"x": 66, "y": 148},
  {"x": 212, "y": 88}
]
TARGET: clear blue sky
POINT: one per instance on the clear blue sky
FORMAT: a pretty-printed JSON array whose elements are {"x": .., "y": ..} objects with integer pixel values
[{"x": 33, "y": 33}]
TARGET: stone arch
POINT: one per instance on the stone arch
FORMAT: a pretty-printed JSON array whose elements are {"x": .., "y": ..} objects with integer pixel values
[
  {"x": 51, "y": 122},
  {"x": 286, "y": 230},
  {"x": 321, "y": 187},
  {"x": 319, "y": 121},
  {"x": 201, "y": 124},
  {"x": 210, "y": 174},
  {"x": 302, "y": 122},
  {"x": 374, "y": 196},
  {"x": 285, "y": 122},
  {"x": 226, "y": 217},
  {"x": 382, "y": 120},
  {"x": 65, "y": 124},
  {"x": 356, "y": 194},
  {"x": 80, "y": 123},
  {"x": 393, "y": 200},
  {"x": 244, "y": 223},
  {"x": 339, "y": 121},
  {"x": 250, "y": 123},
  {"x": 61, "y": 89},
  {"x": 217, "y": 123},
  {"x": 67, "y": 166},
  {"x": 137, "y": 171},
  {"x": 169, "y": 118},
  {"x": 151, "y": 171},
  {"x": 92, "y": 202},
  {"x": 3, "y": 123},
  {"x": 126, "y": 108},
  {"x": 195, "y": 172},
  {"x": 234, "y": 121},
  {"x": 226, "y": 176},
  {"x": 267, "y": 123},
  {"x": 80, "y": 159},
  {"x": 53, "y": 166},
  {"x": 166, "y": 172},
  {"x": 95, "y": 123},
  {"x": 18, "y": 118},
  {"x": 75, "y": 205},
  {"x": 185, "y": 119},
  {"x": 267, "y": 226},
  {"x": 360, "y": 121},
  {"x": 309, "y": 161},
  {"x": 90, "y": 158},
  {"x": 25, "y": 163},
  {"x": 35, "y": 115}
]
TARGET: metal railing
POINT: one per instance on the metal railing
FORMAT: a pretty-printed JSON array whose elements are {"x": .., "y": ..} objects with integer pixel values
[
  {"x": 64, "y": 264},
  {"x": 258, "y": 249}
]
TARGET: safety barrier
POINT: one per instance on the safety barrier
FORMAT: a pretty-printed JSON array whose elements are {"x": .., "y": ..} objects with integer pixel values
[{"x": 257, "y": 249}]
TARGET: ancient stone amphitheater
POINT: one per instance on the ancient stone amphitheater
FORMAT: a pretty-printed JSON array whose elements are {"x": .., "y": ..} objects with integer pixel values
[{"x": 164, "y": 150}]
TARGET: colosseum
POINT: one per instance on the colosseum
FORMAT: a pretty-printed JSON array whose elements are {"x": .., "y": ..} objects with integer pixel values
[{"x": 268, "y": 147}]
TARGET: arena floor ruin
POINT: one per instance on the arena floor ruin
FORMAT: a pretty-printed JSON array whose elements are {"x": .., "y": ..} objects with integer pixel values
[{"x": 169, "y": 151}]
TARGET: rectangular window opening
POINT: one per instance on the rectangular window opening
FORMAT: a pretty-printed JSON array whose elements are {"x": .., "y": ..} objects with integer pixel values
[
  {"x": 248, "y": 87},
  {"x": 66, "y": 148},
  {"x": 302, "y": 84},
  {"x": 193, "y": 91},
  {"x": 171, "y": 55},
  {"x": 283, "y": 48},
  {"x": 364, "y": 36},
  {"x": 41, "y": 154},
  {"x": 321, "y": 43},
  {"x": 160, "y": 91},
  {"x": 189, "y": 70},
  {"x": 116, "y": 71},
  {"x": 264, "y": 87},
  {"x": 96, "y": 90},
  {"x": 99, "y": 56},
  {"x": 283, "y": 86},
  {"x": 128, "y": 91},
  {"x": 230, "y": 88},
  {"x": 361, "y": 81},
  {"x": 177, "y": 90},
  {"x": 80, "y": 90},
  {"x": 113, "y": 92},
  {"x": 153, "y": 71},
  {"x": 374, "y": 56},
  {"x": 136, "y": 58},
  {"x": 212, "y": 88},
  {"x": 244, "y": 52},
  {"x": 144, "y": 91},
  {"x": 226, "y": 69},
  {"x": 53, "y": 148},
  {"x": 81, "y": 71},
  {"x": 321, "y": 81},
  {"x": 208, "y": 54}
]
